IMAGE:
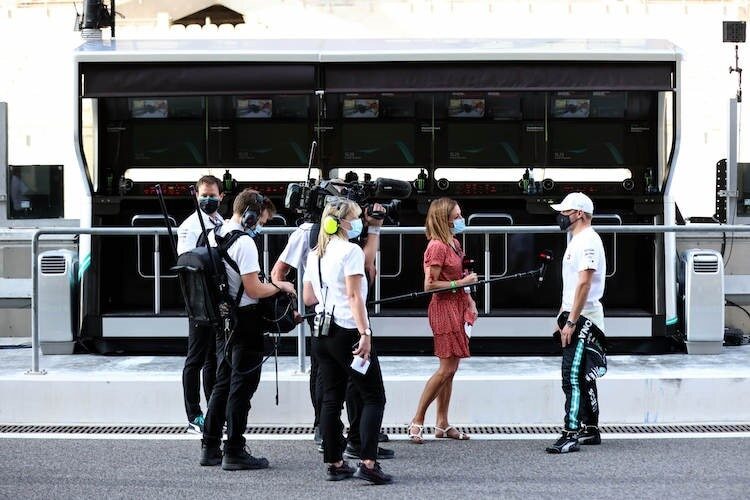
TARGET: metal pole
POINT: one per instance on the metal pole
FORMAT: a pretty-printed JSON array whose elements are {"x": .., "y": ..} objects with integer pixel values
[
  {"x": 157, "y": 276},
  {"x": 300, "y": 328},
  {"x": 34, "y": 308},
  {"x": 487, "y": 271},
  {"x": 377, "y": 280}
]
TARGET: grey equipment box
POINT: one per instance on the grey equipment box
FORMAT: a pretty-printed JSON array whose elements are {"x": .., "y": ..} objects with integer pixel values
[{"x": 57, "y": 301}]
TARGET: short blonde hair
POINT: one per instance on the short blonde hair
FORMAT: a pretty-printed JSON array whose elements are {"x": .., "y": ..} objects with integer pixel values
[
  {"x": 339, "y": 210},
  {"x": 437, "y": 225}
]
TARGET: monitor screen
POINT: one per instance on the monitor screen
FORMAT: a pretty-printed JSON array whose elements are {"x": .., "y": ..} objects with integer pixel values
[
  {"x": 383, "y": 144},
  {"x": 493, "y": 143},
  {"x": 35, "y": 192},
  {"x": 576, "y": 143},
  {"x": 272, "y": 144},
  {"x": 169, "y": 142}
]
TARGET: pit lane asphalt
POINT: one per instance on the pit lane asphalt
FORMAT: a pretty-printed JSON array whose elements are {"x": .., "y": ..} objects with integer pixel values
[{"x": 159, "y": 469}]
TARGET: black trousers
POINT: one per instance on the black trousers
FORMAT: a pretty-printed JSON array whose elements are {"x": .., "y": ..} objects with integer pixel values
[
  {"x": 581, "y": 365},
  {"x": 353, "y": 398},
  {"x": 201, "y": 357},
  {"x": 237, "y": 379},
  {"x": 334, "y": 353}
]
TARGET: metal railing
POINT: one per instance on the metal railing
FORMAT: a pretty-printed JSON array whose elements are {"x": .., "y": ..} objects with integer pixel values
[{"x": 274, "y": 231}]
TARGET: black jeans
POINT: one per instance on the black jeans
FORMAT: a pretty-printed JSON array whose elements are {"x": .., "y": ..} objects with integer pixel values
[
  {"x": 201, "y": 356},
  {"x": 334, "y": 353},
  {"x": 582, "y": 361},
  {"x": 237, "y": 379}
]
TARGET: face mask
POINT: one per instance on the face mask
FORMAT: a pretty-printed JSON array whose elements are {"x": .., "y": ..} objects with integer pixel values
[
  {"x": 356, "y": 229},
  {"x": 208, "y": 204},
  {"x": 458, "y": 226},
  {"x": 564, "y": 221},
  {"x": 255, "y": 231}
]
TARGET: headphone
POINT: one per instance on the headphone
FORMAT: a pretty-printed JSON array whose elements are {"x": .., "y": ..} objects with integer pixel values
[
  {"x": 332, "y": 223},
  {"x": 251, "y": 215}
]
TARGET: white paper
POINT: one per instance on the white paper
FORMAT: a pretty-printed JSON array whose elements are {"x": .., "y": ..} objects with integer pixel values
[
  {"x": 467, "y": 329},
  {"x": 357, "y": 365}
]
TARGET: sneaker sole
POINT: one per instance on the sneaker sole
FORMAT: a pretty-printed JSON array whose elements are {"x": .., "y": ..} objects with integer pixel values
[
  {"x": 590, "y": 442},
  {"x": 211, "y": 463},
  {"x": 370, "y": 480},
  {"x": 243, "y": 467},
  {"x": 339, "y": 477},
  {"x": 555, "y": 451}
]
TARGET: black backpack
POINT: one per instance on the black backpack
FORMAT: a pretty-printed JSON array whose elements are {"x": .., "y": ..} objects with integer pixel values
[
  {"x": 206, "y": 291},
  {"x": 204, "y": 283}
]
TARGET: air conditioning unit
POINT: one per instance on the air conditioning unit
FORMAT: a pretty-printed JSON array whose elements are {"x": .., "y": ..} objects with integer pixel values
[
  {"x": 701, "y": 280},
  {"x": 57, "y": 301}
]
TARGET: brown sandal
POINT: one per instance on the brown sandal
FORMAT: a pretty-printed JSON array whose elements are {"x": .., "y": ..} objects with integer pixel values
[{"x": 445, "y": 434}]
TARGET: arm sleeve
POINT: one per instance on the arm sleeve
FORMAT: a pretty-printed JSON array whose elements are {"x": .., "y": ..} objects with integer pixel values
[
  {"x": 295, "y": 250},
  {"x": 186, "y": 237},
  {"x": 588, "y": 256},
  {"x": 435, "y": 253},
  {"x": 354, "y": 263},
  {"x": 311, "y": 267},
  {"x": 246, "y": 256}
]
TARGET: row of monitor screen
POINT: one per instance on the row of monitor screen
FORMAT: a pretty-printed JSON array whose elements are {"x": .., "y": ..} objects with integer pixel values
[
  {"x": 495, "y": 106},
  {"x": 395, "y": 144}
]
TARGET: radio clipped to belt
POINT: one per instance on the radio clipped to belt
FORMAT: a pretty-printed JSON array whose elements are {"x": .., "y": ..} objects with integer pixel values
[{"x": 323, "y": 320}]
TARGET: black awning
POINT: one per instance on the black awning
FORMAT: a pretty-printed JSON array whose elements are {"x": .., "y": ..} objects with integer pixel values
[
  {"x": 174, "y": 79},
  {"x": 528, "y": 76}
]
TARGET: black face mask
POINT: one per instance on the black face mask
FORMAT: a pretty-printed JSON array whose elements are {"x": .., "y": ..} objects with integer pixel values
[
  {"x": 564, "y": 221},
  {"x": 208, "y": 204}
]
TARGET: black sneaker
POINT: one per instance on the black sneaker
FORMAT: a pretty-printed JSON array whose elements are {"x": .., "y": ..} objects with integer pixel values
[
  {"x": 317, "y": 438},
  {"x": 374, "y": 475},
  {"x": 242, "y": 460},
  {"x": 210, "y": 455},
  {"x": 353, "y": 453},
  {"x": 589, "y": 434},
  {"x": 383, "y": 437},
  {"x": 567, "y": 443},
  {"x": 335, "y": 473}
]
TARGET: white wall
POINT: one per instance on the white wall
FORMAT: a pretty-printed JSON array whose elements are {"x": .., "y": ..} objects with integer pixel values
[{"x": 36, "y": 45}]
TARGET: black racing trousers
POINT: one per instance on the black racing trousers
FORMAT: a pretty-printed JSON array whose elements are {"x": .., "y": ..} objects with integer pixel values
[
  {"x": 334, "y": 356},
  {"x": 201, "y": 357},
  {"x": 237, "y": 379},
  {"x": 583, "y": 361}
]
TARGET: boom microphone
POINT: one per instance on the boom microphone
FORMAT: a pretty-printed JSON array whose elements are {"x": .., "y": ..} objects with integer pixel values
[
  {"x": 544, "y": 257},
  {"x": 391, "y": 188}
]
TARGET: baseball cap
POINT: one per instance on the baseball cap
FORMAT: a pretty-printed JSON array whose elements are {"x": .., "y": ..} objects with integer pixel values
[{"x": 575, "y": 201}]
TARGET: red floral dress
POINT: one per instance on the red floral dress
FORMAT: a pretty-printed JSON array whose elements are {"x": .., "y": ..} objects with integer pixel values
[{"x": 448, "y": 311}]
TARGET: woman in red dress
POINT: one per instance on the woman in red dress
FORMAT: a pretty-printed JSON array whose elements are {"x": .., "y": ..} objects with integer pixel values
[{"x": 448, "y": 313}]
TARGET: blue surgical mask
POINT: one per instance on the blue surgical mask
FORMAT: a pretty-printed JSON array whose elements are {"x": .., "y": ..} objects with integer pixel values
[
  {"x": 255, "y": 231},
  {"x": 356, "y": 229},
  {"x": 458, "y": 226}
]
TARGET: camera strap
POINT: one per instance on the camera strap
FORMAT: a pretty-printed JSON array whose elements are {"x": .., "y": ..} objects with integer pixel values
[{"x": 325, "y": 294}]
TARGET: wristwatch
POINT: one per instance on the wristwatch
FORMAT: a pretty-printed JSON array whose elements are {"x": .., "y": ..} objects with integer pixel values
[
  {"x": 570, "y": 324},
  {"x": 367, "y": 332}
]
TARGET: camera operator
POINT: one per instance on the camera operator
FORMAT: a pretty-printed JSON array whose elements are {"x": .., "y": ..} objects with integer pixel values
[
  {"x": 239, "y": 361},
  {"x": 201, "y": 352},
  {"x": 335, "y": 281}
]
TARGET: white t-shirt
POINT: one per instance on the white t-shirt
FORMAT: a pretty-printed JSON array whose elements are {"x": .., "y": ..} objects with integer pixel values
[
  {"x": 342, "y": 259},
  {"x": 585, "y": 251},
  {"x": 297, "y": 248},
  {"x": 244, "y": 253},
  {"x": 190, "y": 230}
]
